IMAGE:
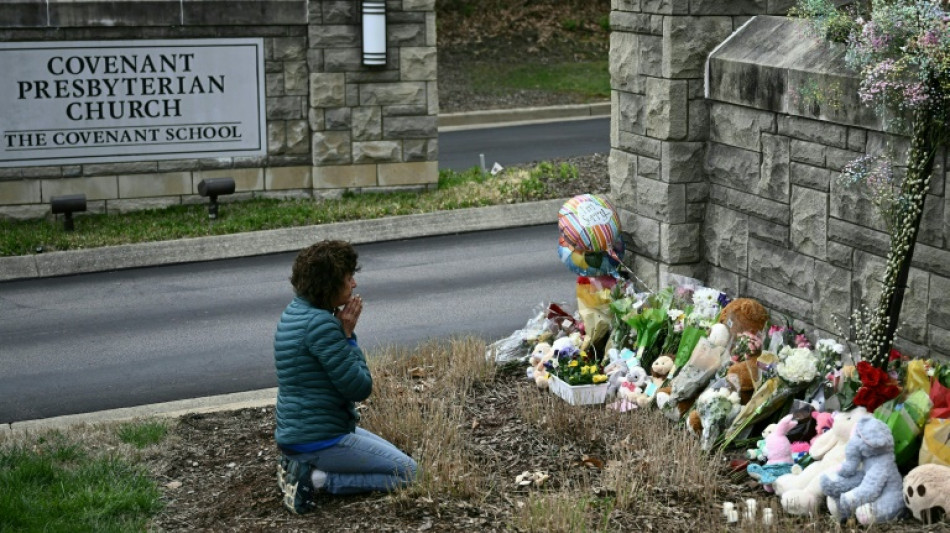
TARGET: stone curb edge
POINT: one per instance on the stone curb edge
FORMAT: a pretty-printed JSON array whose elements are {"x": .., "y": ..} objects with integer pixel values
[
  {"x": 222, "y": 402},
  {"x": 527, "y": 114},
  {"x": 276, "y": 241}
]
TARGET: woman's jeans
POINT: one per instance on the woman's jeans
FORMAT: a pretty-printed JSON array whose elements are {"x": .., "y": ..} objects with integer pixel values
[{"x": 361, "y": 462}]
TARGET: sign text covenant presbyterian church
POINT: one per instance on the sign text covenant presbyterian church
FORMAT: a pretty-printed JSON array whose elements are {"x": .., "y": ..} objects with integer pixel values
[{"x": 77, "y": 102}]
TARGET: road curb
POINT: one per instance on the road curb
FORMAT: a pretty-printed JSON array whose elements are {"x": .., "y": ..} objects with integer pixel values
[
  {"x": 222, "y": 402},
  {"x": 527, "y": 114},
  {"x": 277, "y": 241}
]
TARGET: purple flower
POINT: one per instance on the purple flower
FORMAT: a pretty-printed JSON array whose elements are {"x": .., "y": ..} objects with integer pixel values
[{"x": 724, "y": 299}]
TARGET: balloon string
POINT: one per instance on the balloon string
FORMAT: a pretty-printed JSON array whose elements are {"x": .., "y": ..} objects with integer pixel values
[{"x": 636, "y": 278}]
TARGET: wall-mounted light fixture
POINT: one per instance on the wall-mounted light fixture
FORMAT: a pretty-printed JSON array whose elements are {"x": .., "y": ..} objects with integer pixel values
[
  {"x": 374, "y": 32},
  {"x": 66, "y": 205},
  {"x": 212, "y": 188}
]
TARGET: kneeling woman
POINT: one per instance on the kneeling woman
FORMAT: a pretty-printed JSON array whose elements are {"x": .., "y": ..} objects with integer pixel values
[{"x": 321, "y": 372}]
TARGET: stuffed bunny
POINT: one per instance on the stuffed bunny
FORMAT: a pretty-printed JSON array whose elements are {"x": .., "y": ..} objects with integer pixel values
[
  {"x": 801, "y": 490},
  {"x": 868, "y": 484},
  {"x": 778, "y": 451}
]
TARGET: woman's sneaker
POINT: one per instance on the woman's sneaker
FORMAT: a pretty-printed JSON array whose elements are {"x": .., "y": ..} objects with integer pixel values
[{"x": 293, "y": 477}]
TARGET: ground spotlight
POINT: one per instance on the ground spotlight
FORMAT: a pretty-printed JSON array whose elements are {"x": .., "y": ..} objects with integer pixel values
[
  {"x": 66, "y": 205},
  {"x": 212, "y": 188}
]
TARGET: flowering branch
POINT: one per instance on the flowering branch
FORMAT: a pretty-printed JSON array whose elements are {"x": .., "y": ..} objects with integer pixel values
[{"x": 903, "y": 53}]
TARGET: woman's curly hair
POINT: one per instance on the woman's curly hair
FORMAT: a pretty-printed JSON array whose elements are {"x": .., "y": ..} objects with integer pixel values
[{"x": 320, "y": 271}]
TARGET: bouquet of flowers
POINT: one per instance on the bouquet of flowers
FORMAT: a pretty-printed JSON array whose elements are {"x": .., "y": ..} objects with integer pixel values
[
  {"x": 700, "y": 315},
  {"x": 877, "y": 387},
  {"x": 648, "y": 317},
  {"x": 746, "y": 345},
  {"x": 785, "y": 376},
  {"x": 717, "y": 408}
]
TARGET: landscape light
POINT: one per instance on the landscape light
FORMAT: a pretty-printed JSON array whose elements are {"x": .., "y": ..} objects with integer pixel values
[
  {"x": 374, "y": 32},
  {"x": 66, "y": 205},
  {"x": 212, "y": 188}
]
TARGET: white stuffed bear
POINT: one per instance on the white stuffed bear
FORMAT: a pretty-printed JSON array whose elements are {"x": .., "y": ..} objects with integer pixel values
[
  {"x": 801, "y": 490},
  {"x": 632, "y": 387}
]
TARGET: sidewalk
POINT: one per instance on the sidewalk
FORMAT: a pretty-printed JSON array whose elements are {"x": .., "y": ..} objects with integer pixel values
[{"x": 283, "y": 240}]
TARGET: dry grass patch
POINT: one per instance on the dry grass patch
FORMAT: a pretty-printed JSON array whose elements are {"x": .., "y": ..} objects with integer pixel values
[{"x": 475, "y": 430}]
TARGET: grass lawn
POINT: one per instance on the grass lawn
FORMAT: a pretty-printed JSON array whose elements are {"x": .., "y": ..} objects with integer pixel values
[
  {"x": 590, "y": 79},
  {"x": 455, "y": 190},
  {"x": 54, "y": 483}
]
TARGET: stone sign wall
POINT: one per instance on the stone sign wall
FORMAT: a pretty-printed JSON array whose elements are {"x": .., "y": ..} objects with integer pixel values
[
  {"x": 773, "y": 222},
  {"x": 332, "y": 124}
]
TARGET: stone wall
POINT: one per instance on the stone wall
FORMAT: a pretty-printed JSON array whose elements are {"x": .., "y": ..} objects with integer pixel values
[
  {"x": 781, "y": 120},
  {"x": 332, "y": 123},
  {"x": 660, "y": 124}
]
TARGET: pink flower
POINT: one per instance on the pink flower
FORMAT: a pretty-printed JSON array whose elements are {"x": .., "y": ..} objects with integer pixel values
[{"x": 801, "y": 341}]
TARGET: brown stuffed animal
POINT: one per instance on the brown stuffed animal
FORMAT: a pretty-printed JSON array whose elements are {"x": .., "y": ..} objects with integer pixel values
[
  {"x": 744, "y": 314},
  {"x": 743, "y": 377}
]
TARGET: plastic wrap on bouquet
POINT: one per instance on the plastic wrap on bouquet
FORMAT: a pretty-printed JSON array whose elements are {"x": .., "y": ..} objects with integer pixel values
[
  {"x": 707, "y": 358},
  {"x": 906, "y": 423},
  {"x": 688, "y": 342},
  {"x": 940, "y": 396},
  {"x": 771, "y": 396},
  {"x": 593, "y": 306},
  {"x": 935, "y": 448}
]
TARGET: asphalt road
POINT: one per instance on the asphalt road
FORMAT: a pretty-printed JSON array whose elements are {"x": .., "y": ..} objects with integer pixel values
[
  {"x": 89, "y": 342},
  {"x": 526, "y": 143}
]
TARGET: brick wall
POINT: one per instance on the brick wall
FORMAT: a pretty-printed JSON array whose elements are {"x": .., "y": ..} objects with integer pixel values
[{"x": 332, "y": 124}]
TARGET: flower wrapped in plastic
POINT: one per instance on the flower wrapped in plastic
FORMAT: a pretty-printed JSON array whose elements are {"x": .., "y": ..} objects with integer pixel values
[
  {"x": 701, "y": 314},
  {"x": 717, "y": 408},
  {"x": 786, "y": 376},
  {"x": 707, "y": 358},
  {"x": 648, "y": 316}
]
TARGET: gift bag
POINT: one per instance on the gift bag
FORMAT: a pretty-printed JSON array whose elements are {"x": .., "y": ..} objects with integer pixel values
[
  {"x": 906, "y": 422},
  {"x": 935, "y": 448}
]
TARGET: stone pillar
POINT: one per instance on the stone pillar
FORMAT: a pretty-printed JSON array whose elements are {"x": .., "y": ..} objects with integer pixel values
[
  {"x": 373, "y": 126},
  {"x": 660, "y": 124}
]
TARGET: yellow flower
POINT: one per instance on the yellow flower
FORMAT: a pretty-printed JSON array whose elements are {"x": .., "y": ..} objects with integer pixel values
[
  {"x": 573, "y": 363},
  {"x": 599, "y": 378}
]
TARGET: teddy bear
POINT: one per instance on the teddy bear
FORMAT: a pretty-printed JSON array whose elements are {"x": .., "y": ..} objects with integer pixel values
[
  {"x": 632, "y": 387},
  {"x": 540, "y": 354},
  {"x": 659, "y": 370},
  {"x": 927, "y": 492},
  {"x": 800, "y": 490},
  {"x": 707, "y": 357},
  {"x": 743, "y": 377},
  {"x": 742, "y": 315},
  {"x": 778, "y": 452},
  {"x": 868, "y": 484}
]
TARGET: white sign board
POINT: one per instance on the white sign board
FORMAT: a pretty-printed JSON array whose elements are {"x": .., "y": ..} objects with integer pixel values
[{"x": 102, "y": 101}]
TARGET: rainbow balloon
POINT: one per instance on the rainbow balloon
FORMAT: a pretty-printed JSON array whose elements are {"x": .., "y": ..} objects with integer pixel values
[{"x": 589, "y": 223}]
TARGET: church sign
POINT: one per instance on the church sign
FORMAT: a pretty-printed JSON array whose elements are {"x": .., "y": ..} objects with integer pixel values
[{"x": 66, "y": 103}]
